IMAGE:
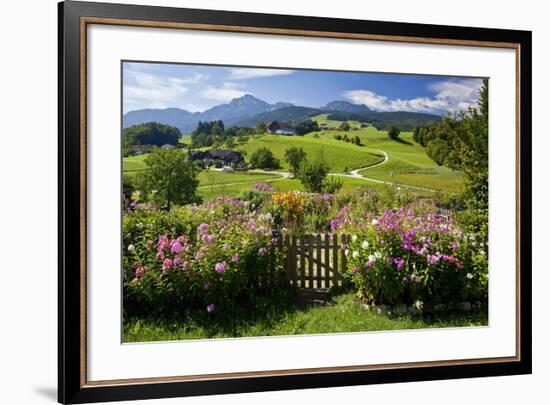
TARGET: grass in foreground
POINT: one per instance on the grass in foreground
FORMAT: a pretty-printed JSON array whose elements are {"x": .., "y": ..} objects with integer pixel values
[{"x": 278, "y": 315}]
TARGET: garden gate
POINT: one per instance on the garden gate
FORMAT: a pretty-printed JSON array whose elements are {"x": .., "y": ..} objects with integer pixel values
[{"x": 315, "y": 261}]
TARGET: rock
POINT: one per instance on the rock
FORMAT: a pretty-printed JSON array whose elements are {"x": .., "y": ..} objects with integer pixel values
[
  {"x": 366, "y": 307},
  {"x": 400, "y": 309},
  {"x": 414, "y": 310},
  {"x": 464, "y": 306},
  {"x": 383, "y": 309},
  {"x": 440, "y": 307}
]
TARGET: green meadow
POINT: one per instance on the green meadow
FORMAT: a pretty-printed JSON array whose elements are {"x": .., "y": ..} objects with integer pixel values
[{"x": 406, "y": 164}]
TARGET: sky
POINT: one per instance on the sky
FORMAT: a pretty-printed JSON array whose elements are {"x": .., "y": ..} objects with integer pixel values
[{"x": 199, "y": 87}]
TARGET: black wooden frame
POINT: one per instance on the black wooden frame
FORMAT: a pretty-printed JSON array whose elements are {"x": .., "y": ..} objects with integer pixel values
[{"x": 70, "y": 252}]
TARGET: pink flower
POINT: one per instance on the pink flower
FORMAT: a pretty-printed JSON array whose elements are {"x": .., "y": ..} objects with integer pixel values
[
  {"x": 167, "y": 264},
  {"x": 176, "y": 248},
  {"x": 185, "y": 265},
  {"x": 206, "y": 285},
  {"x": 177, "y": 261},
  {"x": 160, "y": 256},
  {"x": 225, "y": 246},
  {"x": 368, "y": 264},
  {"x": 220, "y": 267},
  {"x": 210, "y": 308},
  {"x": 235, "y": 258},
  {"x": 356, "y": 269},
  {"x": 262, "y": 251}
]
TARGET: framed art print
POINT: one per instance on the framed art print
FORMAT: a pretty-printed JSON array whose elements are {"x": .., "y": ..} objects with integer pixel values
[{"x": 253, "y": 202}]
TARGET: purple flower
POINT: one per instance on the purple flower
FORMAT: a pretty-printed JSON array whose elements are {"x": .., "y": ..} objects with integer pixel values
[
  {"x": 343, "y": 246},
  {"x": 206, "y": 285},
  {"x": 334, "y": 224},
  {"x": 210, "y": 308},
  {"x": 177, "y": 261},
  {"x": 235, "y": 258},
  {"x": 368, "y": 264},
  {"x": 185, "y": 265},
  {"x": 262, "y": 251},
  {"x": 399, "y": 262},
  {"x": 176, "y": 248},
  {"x": 356, "y": 269},
  {"x": 203, "y": 228},
  {"x": 225, "y": 246},
  {"x": 207, "y": 238},
  {"x": 220, "y": 267},
  {"x": 262, "y": 187},
  {"x": 160, "y": 256}
]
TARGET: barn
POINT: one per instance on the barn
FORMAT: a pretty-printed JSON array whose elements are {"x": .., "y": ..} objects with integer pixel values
[{"x": 280, "y": 128}]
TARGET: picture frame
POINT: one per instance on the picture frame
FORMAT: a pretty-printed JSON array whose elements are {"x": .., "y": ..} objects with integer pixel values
[{"x": 75, "y": 18}]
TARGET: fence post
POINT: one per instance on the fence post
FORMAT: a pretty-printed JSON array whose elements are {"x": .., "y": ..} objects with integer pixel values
[
  {"x": 335, "y": 254},
  {"x": 318, "y": 257},
  {"x": 310, "y": 260},
  {"x": 302, "y": 262},
  {"x": 293, "y": 261},
  {"x": 327, "y": 260}
]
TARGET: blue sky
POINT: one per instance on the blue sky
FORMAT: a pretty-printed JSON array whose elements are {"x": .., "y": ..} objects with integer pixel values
[{"x": 199, "y": 87}]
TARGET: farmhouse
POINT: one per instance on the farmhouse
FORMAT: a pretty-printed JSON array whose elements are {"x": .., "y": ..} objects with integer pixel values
[
  {"x": 227, "y": 156},
  {"x": 280, "y": 127}
]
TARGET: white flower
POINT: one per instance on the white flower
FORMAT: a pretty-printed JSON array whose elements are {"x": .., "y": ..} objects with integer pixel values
[
  {"x": 374, "y": 221},
  {"x": 419, "y": 305},
  {"x": 355, "y": 254},
  {"x": 378, "y": 255},
  {"x": 482, "y": 252},
  {"x": 469, "y": 276},
  {"x": 346, "y": 252},
  {"x": 372, "y": 258},
  {"x": 131, "y": 248},
  {"x": 365, "y": 244},
  {"x": 354, "y": 238}
]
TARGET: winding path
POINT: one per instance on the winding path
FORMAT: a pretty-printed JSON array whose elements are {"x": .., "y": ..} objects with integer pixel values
[{"x": 353, "y": 174}]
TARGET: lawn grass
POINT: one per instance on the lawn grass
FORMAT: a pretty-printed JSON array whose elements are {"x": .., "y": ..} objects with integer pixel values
[
  {"x": 340, "y": 156},
  {"x": 278, "y": 315}
]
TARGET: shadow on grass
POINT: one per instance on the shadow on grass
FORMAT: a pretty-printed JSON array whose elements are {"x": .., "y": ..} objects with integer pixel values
[{"x": 402, "y": 141}]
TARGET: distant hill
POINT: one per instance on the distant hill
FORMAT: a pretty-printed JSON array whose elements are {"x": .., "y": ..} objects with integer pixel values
[
  {"x": 405, "y": 120},
  {"x": 236, "y": 110},
  {"x": 291, "y": 114},
  {"x": 249, "y": 111},
  {"x": 344, "y": 106}
]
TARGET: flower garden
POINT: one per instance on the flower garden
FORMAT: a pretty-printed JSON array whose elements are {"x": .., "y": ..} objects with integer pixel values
[{"x": 198, "y": 265}]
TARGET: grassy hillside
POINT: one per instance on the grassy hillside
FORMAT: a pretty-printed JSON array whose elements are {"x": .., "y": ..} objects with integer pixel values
[{"x": 339, "y": 155}]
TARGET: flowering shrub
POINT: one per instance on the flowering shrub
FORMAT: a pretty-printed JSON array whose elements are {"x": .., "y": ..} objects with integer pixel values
[
  {"x": 288, "y": 208},
  {"x": 211, "y": 260},
  {"x": 411, "y": 255},
  {"x": 262, "y": 187}
]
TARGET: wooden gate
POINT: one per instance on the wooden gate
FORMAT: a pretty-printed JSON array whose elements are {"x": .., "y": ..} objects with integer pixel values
[{"x": 315, "y": 261}]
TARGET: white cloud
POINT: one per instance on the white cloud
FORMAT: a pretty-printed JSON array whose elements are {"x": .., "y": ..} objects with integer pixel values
[
  {"x": 451, "y": 95},
  {"x": 227, "y": 92},
  {"x": 250, "y": 73},
  {"x": 146, "y": 90}
]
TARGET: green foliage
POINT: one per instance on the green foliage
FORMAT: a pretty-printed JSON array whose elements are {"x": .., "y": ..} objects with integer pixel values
[
  {"x": 294, "y": 157},
  {"x": 357, "y": 140},
  {"x": 407, "y": 121},
  {"x": 313, "y": 173},
  {"x": 260, "y": 128},
  {"x": 338, "y": 137},
  {"x": 171, "y": 178},
  {"x": 208, "y": 134},
  {"x": 263, "y": 158},
  {"x": 306, "y": 127},
  {"x": 393, "y": 132},
  {"x": 344, "y": 126},
  {"x": 150, "y": 133},
  {"x": 461, "y": 142},
  {"x": 333, "y": 185}
]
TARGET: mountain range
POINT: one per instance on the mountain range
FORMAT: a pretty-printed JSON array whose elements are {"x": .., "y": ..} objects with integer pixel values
[{"x": 249, "y": 111}]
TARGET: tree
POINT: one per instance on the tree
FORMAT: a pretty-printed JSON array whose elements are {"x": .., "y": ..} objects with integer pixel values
[
  {"x": 170, "y": 178},
  {"x": 312, "y": 174},
  {"x": 357, "y": 140},
  {"x": 260, "y": 128},
  {"x": 264, "y": 159},
  {"x": 393, "y": 132},
  {"x": 150, "y": 133},
  {"x": 344, "y": 126},
  {"x": 294, "y": 157},
  {"x": 305, "y": 127}
]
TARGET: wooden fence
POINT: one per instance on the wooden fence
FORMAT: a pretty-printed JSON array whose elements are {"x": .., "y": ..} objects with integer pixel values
[{"x": 314, "y": 261}]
